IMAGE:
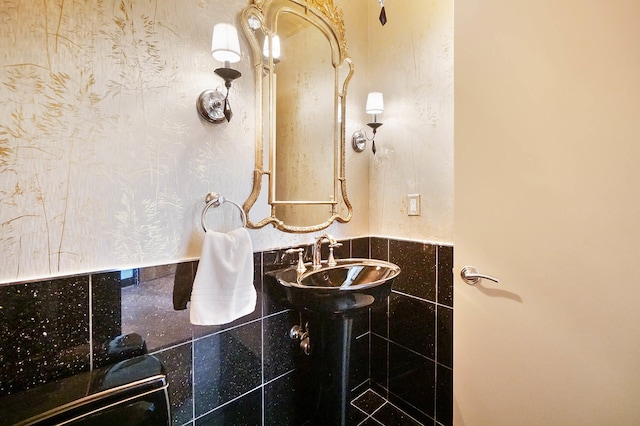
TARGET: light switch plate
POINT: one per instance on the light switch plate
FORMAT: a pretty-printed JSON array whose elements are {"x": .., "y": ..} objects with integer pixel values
[{"x": 413, "y": 204}]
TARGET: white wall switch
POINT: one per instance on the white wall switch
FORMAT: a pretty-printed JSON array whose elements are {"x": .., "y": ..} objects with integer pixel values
[{"x": 414, "y": 204}]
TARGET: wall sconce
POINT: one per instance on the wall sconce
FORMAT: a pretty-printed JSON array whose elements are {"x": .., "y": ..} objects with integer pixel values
[
  {"x": 274, "y": 51},
  {"x": 375, "y": 106},
  {"x": 225, "y": 47}
]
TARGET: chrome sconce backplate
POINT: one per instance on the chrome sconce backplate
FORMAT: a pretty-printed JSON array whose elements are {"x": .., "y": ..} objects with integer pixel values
[
  {"x": 210, "y": 106},
  {"x": 358, "y": 141}
]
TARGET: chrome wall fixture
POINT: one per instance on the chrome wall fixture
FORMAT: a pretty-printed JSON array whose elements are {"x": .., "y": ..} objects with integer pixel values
[
  {"x": 375, "y": 106},
  {"x": 301, "y": 332},
  {"x": 212, "y": 105},
  {"x": 215, "y": 200}
]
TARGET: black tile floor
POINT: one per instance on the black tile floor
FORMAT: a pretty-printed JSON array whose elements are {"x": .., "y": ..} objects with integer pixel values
[{"x": 372, "y": 409}]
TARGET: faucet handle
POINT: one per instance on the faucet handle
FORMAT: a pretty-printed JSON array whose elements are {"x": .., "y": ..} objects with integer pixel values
[
  {"x": 332, "y": 260},
  {"x": 300, "y": 268}
]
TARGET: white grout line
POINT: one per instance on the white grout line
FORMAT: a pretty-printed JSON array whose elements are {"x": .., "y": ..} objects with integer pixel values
[
  {"x": 262, "y": 320},
  {"x": 90, "y": 322},
  {"x": 193, "y": 380},
  {"x": 421, "y": 299},
  {"x": 226, "y": 403}
]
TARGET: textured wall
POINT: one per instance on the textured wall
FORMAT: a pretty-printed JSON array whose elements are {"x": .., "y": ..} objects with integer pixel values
[
  {"x": 411, "y": 61},
  {"x": 104, "y": 160}
]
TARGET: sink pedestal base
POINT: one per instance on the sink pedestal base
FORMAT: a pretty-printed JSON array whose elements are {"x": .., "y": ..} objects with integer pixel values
[
  {"x": 331, "y": 296},
  {"x": 327, "y": 372}
]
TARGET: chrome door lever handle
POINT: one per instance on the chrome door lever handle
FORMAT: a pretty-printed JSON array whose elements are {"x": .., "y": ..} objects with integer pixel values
[{"x": 471, "y": 276}]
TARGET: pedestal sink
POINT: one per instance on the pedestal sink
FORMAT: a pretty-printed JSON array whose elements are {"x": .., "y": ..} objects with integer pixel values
[
  {"x": 351, "y": 285},
  {"x": 332, "y": 296}
]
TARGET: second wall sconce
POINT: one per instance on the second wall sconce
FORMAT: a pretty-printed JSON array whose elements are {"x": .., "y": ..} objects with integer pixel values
[
  {"x": 225, "y": 47},
  {"x": 272, "y": 50},
  {"x": 375, "y": 106}
]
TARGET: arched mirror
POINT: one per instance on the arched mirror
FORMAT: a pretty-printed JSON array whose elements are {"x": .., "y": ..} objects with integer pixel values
[{"x": 301, "y": 75}]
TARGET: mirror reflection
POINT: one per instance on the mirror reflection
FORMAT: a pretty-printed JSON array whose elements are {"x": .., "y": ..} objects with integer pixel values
[
  {"x": 303, "y": 109},
  {"x": 302, "y": 73}
]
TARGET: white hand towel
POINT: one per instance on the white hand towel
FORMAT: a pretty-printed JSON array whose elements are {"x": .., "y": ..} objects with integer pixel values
[{"x": 223, "y": 288}]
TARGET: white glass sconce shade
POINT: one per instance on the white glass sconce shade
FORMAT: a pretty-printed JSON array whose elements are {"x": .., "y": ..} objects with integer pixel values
[
  {"x": 375, "y": 103},
  {"x": 225, "y": 45}
]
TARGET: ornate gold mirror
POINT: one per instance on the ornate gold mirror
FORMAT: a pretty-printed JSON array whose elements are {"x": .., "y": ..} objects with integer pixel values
[{"x": 301, "y": 71}]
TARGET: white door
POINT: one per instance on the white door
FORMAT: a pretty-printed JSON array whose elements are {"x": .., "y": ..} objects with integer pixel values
[{"x": 547, "y": 199}]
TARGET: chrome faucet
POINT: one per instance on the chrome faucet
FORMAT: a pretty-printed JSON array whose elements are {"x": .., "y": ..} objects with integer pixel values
[{"x": 317, "y": 257}]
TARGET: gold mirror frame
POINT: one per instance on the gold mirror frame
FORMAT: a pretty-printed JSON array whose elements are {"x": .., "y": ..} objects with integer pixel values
[{"x": 329, "y": 19}]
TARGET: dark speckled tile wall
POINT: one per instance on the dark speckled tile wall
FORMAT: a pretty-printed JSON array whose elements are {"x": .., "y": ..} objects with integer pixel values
[
  {"x": 178, "y": 362},
  {"x": 412, "y": 342},
  {"x": 44, "y": 332},
  {"x": 418, "y": 264},
  {"x": 243, "y": 411},
  {"x": 226, "y": 365},
  {"x": 445, "y": 275},
  {"x": 279, "y": 350},
  {"x": 249, "y": 371}
]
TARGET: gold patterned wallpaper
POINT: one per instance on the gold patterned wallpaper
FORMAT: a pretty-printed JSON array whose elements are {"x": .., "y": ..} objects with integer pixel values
[
  {"x": 102, "y": 157},
  {"x": 104, "y": 162}
]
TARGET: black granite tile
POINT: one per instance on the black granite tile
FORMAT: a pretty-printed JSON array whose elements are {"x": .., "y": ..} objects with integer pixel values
[
  {"x": 258, "y": 282},
  {"x": 377, "y": 388},
  {"x": 379, "y": 248},
  {"x": 389, "y": 415},
  {"x": 380, "y": 319},
  {"x": 360, "y": 389},
  {"x": 444, "y": 396},
  {"x": 369, "y": 402},
  {"x": 370, "y": 421},
  {"x": 257, "y": 267},
  {"x": 279, "y": 349},
  {"x": 147, "y": 309},
  {"x": 355, "y": 416},
  {"x": 379, "y": 361},
  {"x": 360, "y": 247},
  {"x": 360, "y": 322},
  {"x": 44, "y": 332},
  {"x": 412, "y": 324},
  {"x": 342, "y": 252},
  {"x": 245, "y": 411},
  {"x": 185, "y": 274},
  {"x": 445, "y": 275},
  {"x": 178, "y": 362},
  {"x": 305, "y": 388},
  {"x": 106, "y": 314},
  {"x": 200, "y": 331},
  {"x": 411, "y": 380},
  {"x": 445, "y": 336},
  {"x": 280, "y": 403},
  {"x": 359, "y": 361},
  {"x": 226, "y": 365},
  {"x": 274, "y": 298},
  {"x": 418, "y": 264}
]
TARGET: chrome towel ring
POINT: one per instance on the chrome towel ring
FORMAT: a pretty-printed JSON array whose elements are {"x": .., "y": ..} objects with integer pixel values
[{"x": 213, "y": 199}]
